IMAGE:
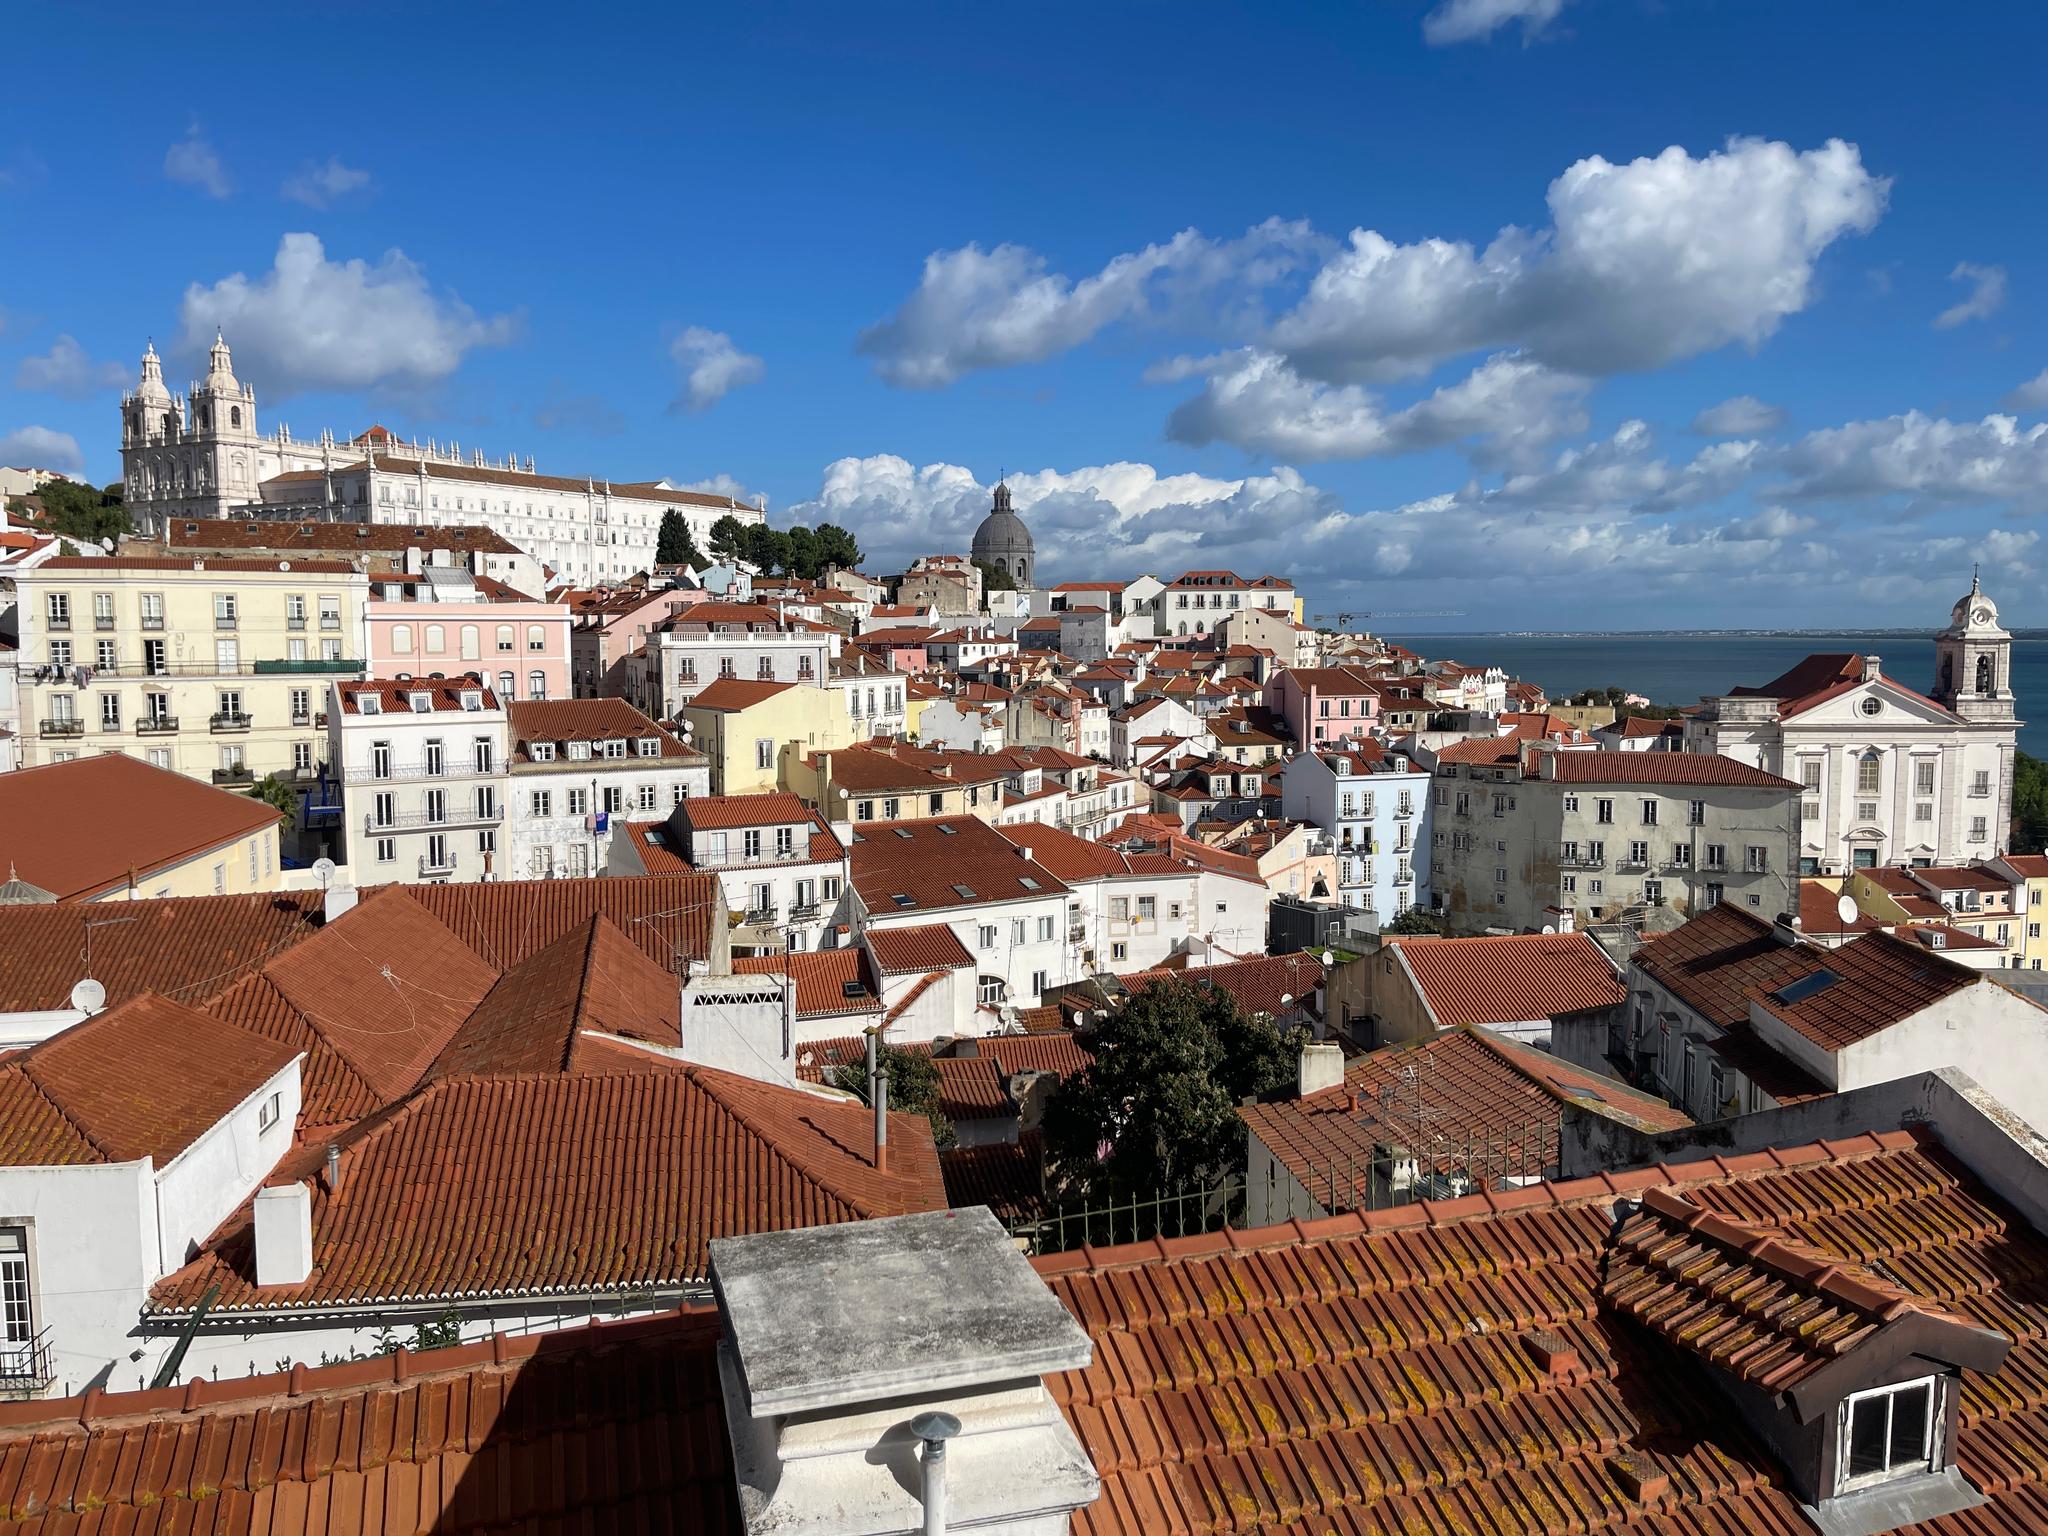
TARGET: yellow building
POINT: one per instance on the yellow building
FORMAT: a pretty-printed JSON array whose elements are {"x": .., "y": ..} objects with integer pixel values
[
  {"x": 112, "y": 828},
  {"x": 752, "y": 731},
  {"x": 2029, "y": 875},
  {"x": 863, "y": 784},
  {"x": 215, "y": 669}
]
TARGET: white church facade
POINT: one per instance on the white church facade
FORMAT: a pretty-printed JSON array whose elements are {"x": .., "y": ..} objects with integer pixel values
[
  {"x": 203, "y": 456},
  {"x": 1887, "y": 776}
]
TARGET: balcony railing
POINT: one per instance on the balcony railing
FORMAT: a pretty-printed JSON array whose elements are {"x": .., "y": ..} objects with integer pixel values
[
  {"x": 302, "y": 717},
  {"x": 759, "y": 916},
  {"x": 1627, "y": 866},
  {"x": 157, "y": 725},
  {"x": 452, "y": 817},
  {"x": 297, "y": 621},
  {"x": 56, "y": 623},
  {"x": 330, "y": 621},
  {"x": 25, "y": 1364},
  {"x": 430, "y": 868},
  {"x": 103, "y": 621},
  {"x": 64, "y": 727},
  {"x": 307, "y": 664},
  {"x": 1077, "y": 933},
  {"x": 228, "y": 720},
  {"x": 803, "y": 911},
  {"x": 242, "y": 773},
  {"x": 411, "y": 772},
  {"x": 224, "y": 621},
  {"x": 152, "y": 621}
]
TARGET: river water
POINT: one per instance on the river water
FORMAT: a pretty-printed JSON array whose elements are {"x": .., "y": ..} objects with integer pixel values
[{"x": 1683, "y": 668}]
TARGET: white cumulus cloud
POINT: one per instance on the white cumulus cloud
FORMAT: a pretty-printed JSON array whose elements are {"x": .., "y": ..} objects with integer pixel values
[
  {"x": 712, "y": 367},
  {"x": 2030, "y": 396},
  {"x": 194, "y": 162},
  {"x": 1985, "y": 299},
  {"x": 323, "y": 184},
  {"x": 1510, "y": 405},
  {"x": 312, "y": 323},
  {"x": 1661, "y": 258},
  {"x": 1927, "y": 457},
  {"x": 1740, "y": 416},
  {"x": 41, "y": 448},
  {"x": 65, "y": 370},
  {"x": 1465, "y": 21}
]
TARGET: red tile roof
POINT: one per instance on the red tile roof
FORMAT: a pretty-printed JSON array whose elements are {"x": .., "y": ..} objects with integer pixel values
[
  {"x": 444, "y": 695},
  {"x": 1002, "y": 1175},
  {"x": 335, "y": 538},
  {"x": 822, "y": 979},
  {"x": 1709, "y": 962},
  {"x": 114, "y": 565},
  {"x": 144, "y": 1079},
  {"x": 1450, "y": 1366},
  {"x": 79, "y": 829},
  {"x": 1509, "y": 978},
  {"x": 735, "y": 693},
  {"x": 504, "y": 921},
  {"x": 538, "y": 1184},
  {"x": 917, "y": 947},
  {"x": 1880, "y": 979},
  {"x": 560, "y": 720},
  {"x": 1257, "y": 985},
  {"x": 1819, "y": 678},
  {"x": 943, "y": 863},
  {"x": 1466, "y": 1102},
  {"x": 1820, "y": 911},
  {"x": 626, "y": 1417},
  {"x": 720, "y": 813},
  {"x": 1674, "y": 768}
]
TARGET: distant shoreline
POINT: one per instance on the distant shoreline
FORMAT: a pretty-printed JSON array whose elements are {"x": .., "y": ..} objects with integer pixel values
[{"x": 1692, "y": 634}]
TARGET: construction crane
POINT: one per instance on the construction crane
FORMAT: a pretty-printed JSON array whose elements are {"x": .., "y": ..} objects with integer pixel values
[{"x": 1344, "y": 619}]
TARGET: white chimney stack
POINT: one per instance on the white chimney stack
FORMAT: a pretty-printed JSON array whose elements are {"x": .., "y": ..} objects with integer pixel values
[
  {"x": 284, "y": 1234},
  {"x": 909, "y": 1396},
  {"x": 340, "y": 899},
  {"x": 1322, "y": 1067}
]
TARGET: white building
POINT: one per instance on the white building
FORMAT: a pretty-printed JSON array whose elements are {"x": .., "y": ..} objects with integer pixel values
[
  {"x": 422, "y": 770},
  {"x": 694, "y": 648},
  {"x": 1008, "y": 910},
  {"x": 1887, "y": 775},
  {"x": 1195, "y": 602},
  {"x": 1375, "y": 807},
  {"x": 579, "y": 770},
  {"x": 871, "y": 693},
  {"x": 781, "y": 868},
  {"x": 203, "y": 456}
]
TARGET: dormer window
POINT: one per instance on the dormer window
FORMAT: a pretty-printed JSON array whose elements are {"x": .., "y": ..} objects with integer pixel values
[
  {"x": 369, "y": 704},
  {"x": 1888, "y": 1433},
  {"x": 650, "y": 746},
  {"x": 579, "y": 751},
  {"x": 541, "y": 751},
  {"x": 422, "y": 703},
  {"x": 615, "y": 747},
  {"x": 472, "y": 700}
]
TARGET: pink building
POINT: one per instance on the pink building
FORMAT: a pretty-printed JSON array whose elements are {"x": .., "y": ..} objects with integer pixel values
[
  {"x": 1323, "y": 704},
  {"x": 610, "y": 627},
  {"x": 421, "y": 628}
]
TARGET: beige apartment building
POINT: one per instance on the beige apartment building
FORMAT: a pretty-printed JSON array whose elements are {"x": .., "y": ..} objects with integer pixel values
[{"x": 216, "y": 669}]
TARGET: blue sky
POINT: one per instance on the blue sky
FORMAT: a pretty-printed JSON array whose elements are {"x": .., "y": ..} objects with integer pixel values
[{"x": 1218, "y": 285}]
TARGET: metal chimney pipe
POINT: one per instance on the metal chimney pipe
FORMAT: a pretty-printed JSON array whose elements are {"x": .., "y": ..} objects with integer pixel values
[
  {"x": 333, "y": 1167},
  {"x": 934, "y": 1429},
  {"x": 878, "y": 1096}
]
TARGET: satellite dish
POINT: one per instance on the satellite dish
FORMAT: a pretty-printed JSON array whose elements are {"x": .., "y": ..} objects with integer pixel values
[
  {"x": 1550, "y": 927},
  {"x": 1846, "y": 910},
  {"x": 688, "y": 730},
  {"x": 284, "y": 565},
  {"x": 323, "y": 871},
  {"x": 107, "y": 545},
  {"x": 89, "y": 996}
]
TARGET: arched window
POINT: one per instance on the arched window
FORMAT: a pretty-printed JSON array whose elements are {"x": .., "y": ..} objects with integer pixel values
[
  {"x": 1866, "y": 773},
  {"x": 1984, "y": 679},
  {"x": 991, "y": 991},
  {"x": 401, "y": 637},
  {"x": 536, "y": 685},
  {"x": 1948, "y": 675},
  {"x": 504, "y": 637},
  {"x": 536, "y": 637},
  {"x": 508, "y": 686},
  {"x": 234, "y": 415},
  {"x": 437, "y": 640},
  {"x": 471, "y": 642}
]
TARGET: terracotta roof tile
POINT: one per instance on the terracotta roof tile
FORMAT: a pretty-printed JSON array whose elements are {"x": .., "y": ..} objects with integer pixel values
[
  {"x": 823, "y": 979},
  {"x": 78, "y": 829},
  {"x": 948, "y": 862},
  {"x": 1464, "y": 1103},
  {"x": 717, "y": 813},
  {"x": 560, "y": 720},
  {"x": 1257, "y": 984},
  {"x": 1871, "y": 983},
  {"x": 1673, "y": 768},
  {"x": 614, "y": 1181},
  {"x": 1509, "y": 978},
  {"x": 1710, "y": 961},
  {"x": 1002, "y": 1175},
  {"x": 735, "y": 693},
  {"x": 917, "y": 947}
]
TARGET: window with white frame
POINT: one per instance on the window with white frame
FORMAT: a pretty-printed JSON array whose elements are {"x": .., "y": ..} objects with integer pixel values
[{"x": 1887, "y": 1433}]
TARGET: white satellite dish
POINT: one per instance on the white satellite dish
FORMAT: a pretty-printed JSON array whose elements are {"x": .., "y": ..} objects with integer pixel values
[
  {"x": 284, "y": 565},
  {"x": 107, "y": 545},
  {"x": 89, "y": 996},
  {"x": 1846, "y": 910},
  {"x": 1550, "y": 927},
  {"x": 323, "y": 871}
]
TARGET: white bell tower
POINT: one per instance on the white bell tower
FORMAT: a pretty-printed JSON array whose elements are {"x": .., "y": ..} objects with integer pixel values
[{"x": 1973, "y": 662}]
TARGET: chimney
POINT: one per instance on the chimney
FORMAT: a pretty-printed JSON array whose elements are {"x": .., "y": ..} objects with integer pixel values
[
  {"x": 878, "y": 1097},
  {"x": 943, "y": 1421},
  {"x": 284, "y": 1233},
  {"x": 1786, "y": 930},
  {"x": 1872, "y": 669},
  {"x": 330, "y": 1169},
  {"x": 1322, "y": 1067}
]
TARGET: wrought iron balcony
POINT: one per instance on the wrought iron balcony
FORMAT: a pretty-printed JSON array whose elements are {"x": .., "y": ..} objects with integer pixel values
[
  {"x": 65, "y": 727},
  {"x": 454, "y": 816},
  {"x": 25, "y": 1364},
  {"x": 56, "y": 623},
  {"x": 308, "y": 664},
  {"x": 103, "y": 621},
  {"x": 241, "y": 773},
  {"x": 429, "y": 869},
  {"x": 295, "y": 622},
  {"x": 228, "y": 720},
  {"x": 152, "y": 621},
  {"x": 157, "y": 725},
  {"x": 803, "y": 911}
]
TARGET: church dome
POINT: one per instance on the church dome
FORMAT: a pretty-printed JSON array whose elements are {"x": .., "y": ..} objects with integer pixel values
[
  {"x": 1973, "y": 610},
  {"x": 220, "y": 371},
  {"x": 1003, "y": 541},
  {"x": 151, "y": 389}
]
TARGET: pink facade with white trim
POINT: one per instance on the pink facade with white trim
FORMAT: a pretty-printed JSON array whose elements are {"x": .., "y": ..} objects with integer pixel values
[{"x": 525, "y": 642}]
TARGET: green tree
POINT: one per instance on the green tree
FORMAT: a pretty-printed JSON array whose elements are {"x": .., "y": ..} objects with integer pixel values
[
  {"x": 80, "y": 512},
  {"x": 914, "y": 1086},
  {"x": 765, "y": 549},
  {"x": 994, "y": 578},
  {"x": 1416, "y": 920},
  {"x": 801, "y": 553},
  {"x": 278, "y": 792},
  {"x": 2029, "y": 804},
  {"x": 1158, "y": 1105},
  {"x": 728, "y": 539},
  {"x": 676, "y": 544},
  {"x": 837, "y": 547}
]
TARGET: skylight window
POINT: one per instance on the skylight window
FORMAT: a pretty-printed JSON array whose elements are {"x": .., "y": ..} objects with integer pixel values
[
  {"x": 902, "y": 899},
  {"x": 964, "y": 892},
  {"x": 1027, "y": 882},
  {"x": 1806, "y": 986}
]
